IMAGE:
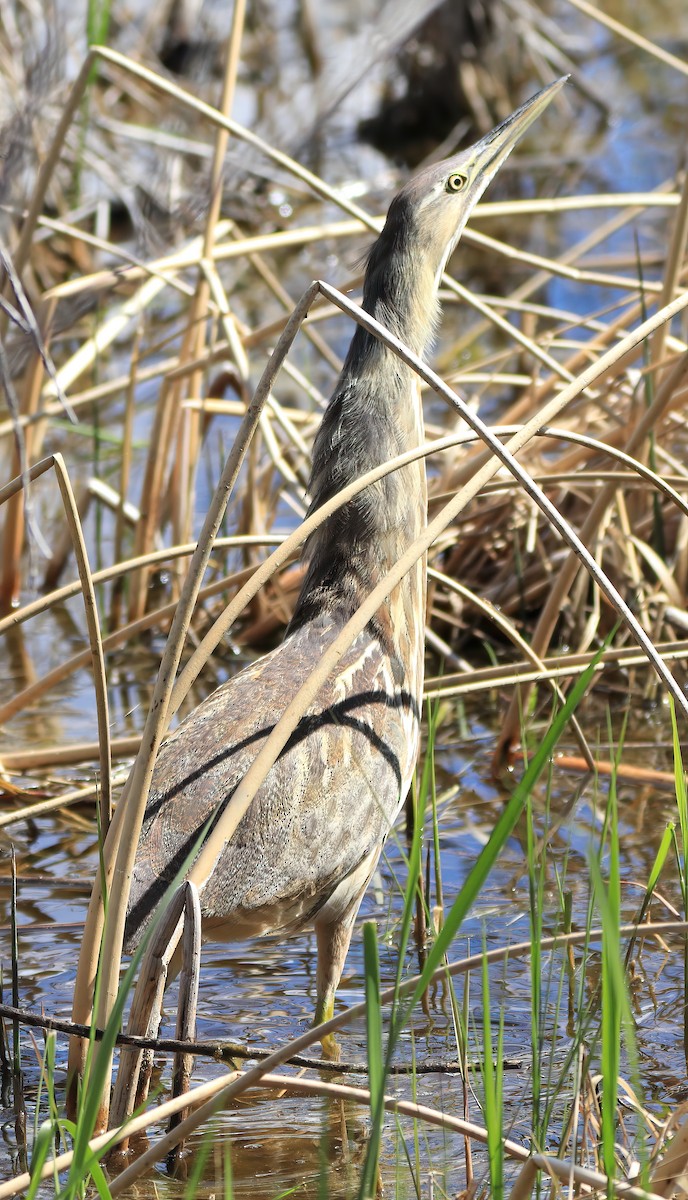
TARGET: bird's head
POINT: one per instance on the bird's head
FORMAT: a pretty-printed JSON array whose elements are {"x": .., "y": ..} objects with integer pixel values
[{"x": 439, "y": 200}]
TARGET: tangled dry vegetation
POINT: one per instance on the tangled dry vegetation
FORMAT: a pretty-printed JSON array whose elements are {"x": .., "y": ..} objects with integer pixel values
[
  {"x": 95, "y": 329},
  {"x": 137, "y": 318}
]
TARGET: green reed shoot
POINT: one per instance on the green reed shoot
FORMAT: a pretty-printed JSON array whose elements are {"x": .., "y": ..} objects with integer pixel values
[
  {"x": 376, "y": 1071},
  {"x": 43, "y": 1145},
  {"x": 682, "y": 851},
  {"x": 668, "y": 840},
  {"x": 485, "y": 861},
  {"x": 611, "y": 1000},
  {"x": 433, "y": 721},
  {"x": 616, "y": 1017},
  {"x": 536, "y": 886},
  {"x": 493, "y": 1087},
  {"x": 200, "y": 1159}
]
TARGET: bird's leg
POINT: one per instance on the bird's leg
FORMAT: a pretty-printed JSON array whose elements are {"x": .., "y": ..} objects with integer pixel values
[
  {"x": 333, "y": 939},
  {"x": 186, "y": 1009},
  {"x": 131, "y": 1087}
]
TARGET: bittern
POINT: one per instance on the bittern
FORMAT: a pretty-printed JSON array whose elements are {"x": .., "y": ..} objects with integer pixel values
[{"x": 305, "y": 850}]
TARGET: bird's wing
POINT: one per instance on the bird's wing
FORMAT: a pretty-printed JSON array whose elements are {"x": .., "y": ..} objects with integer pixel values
[{"x": 330, "y": 798}]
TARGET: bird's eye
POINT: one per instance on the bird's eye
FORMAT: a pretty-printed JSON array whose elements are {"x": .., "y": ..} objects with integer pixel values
[{"x": 456, "y": 182}]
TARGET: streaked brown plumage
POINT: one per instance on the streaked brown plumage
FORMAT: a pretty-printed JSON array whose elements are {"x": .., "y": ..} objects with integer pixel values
[{"x": 306, "y": 848}]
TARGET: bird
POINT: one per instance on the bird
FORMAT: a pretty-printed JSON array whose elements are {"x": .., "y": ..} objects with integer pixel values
[{"x": 304, "y": 852}]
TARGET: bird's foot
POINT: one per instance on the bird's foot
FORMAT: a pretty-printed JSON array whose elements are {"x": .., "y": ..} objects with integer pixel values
[
  {"x": 324, "y": 1011},
  {"x": 331, "y": 1050}
]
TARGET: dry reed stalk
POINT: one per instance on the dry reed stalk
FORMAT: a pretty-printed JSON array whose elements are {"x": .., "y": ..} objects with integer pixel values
[
  {"x": 212, "y": 1097},
  {"x": 32, "y": 692},
  {"x": 96, "y": 657},
  {"x": 128, "y": 566},
  {"x": 27, "y": 445},
  {"x": 627, "y": 772},
  {"x": 185, "y": 1029},
  {"x": 548, "y": 617},
  {"x": 236, "y": 408},
  {"x": 120, "y": 848},
  {"x": 12, "y": 544},
  {"x": 559, "y": 204},
  {"x": 556, "y": 267},
  {"x": 56, "y": 803},
  {"x": 131, "y": 1085},
  {"x": 553, "y": 1168},
  {"x": 55, "y": 756},
  {"x": 636, "y": 39},
  {"x": 587, "y": 479},
  {"x": 188, "y": 429},
  {"x": 672, "y": 274},
  {"x": 169, "y": 266},
  {"x": 498, "y": 618},
  {"x": 124, "y": 476},
  {"x": 518, "y": 674},
  {"x": 90, "y": 396},
  {"x": 603, "y": 231},
  {"x": 150, "y": 503}
]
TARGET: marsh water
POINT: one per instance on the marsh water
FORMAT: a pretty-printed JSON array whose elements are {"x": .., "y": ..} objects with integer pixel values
[{"x": 264, "y": 991}]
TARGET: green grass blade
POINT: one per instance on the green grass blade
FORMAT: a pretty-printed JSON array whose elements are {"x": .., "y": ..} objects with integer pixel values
[
  {"x": 614, "y": 1003},
  {"x": 376, "y": 1069},
  {"x": 200, "y": 1158},
  {"x": 413, "y": 868},
  {"x": 502, "y": 831},
  {"x": 97, "y": 1174},
  {"x": 611, "y": 986},
  {"x": 535, "y": 887},
  {"x": 42, "y": 1147},
  {"x": 682, "y": 857},
  {"x": 491, "y": 1059},
  {"x": 681, "y": 801},
  {"x": 668, "y": 839}
]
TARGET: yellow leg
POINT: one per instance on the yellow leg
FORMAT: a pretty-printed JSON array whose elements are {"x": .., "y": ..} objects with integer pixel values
[
  {"x": 333, "y": 934},
  {"x": 324, "y": 1010}
]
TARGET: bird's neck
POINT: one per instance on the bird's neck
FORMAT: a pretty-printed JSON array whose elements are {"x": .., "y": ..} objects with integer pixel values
[{"x": 374, "y": 415}]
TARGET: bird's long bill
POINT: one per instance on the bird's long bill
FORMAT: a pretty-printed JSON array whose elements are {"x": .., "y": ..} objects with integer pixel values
[{"x": 489, "y": 153}]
